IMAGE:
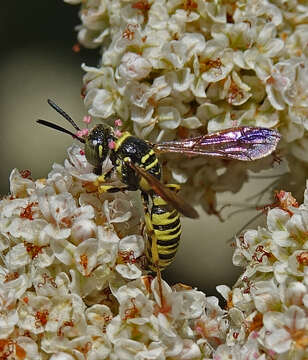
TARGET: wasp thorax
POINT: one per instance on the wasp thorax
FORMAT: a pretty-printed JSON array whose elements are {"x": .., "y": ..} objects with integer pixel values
[{"x": 97, "y": 145}]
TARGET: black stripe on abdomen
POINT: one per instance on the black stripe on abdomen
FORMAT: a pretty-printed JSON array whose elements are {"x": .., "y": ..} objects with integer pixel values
[{"x": 164, "y": 227}]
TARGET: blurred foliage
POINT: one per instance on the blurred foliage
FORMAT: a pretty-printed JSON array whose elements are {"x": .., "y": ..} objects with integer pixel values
[{"x": 37, "y": 62}]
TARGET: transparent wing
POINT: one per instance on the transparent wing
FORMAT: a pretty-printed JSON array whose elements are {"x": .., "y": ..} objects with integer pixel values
[
  {"x": 168, "y": 195},
  {"x": 241, "y": 143}
]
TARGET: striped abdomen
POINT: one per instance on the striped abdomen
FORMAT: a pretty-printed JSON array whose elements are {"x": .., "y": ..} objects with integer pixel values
[{"x": 164, "y": 235}]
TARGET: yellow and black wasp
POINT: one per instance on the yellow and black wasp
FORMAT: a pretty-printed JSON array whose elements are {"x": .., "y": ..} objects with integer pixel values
[{"x": 136, "y": 163}]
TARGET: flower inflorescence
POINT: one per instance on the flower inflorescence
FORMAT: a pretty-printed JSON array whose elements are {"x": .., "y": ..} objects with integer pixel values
[
  {"x": 268, "y": 305},
  {"x": 170, "y": 69},
  {"x": 73, "y": 283},
  {"x": 73, "y": 278}
]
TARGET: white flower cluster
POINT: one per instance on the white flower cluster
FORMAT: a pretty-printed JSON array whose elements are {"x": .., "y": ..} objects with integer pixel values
[
  {"x": 171, "y": 69},
  {"x": 73, "y": 284},
  {"x": 268, "y": 306}
]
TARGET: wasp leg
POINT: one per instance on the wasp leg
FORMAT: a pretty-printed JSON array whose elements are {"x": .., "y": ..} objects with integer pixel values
[
  {"x": 112, "y": 189},
  {"x": 103, "y": 177},
  {"x": 108, "y": 188},
  {"x": 97, "y": 170}
]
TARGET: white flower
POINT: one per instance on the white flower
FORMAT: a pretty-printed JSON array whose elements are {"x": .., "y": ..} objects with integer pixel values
[
  {"x": 128, "y": 271},
  {"x": 77, "y": 165},
  {"x": 286, "y": 329},
  {"x": 82, "y": 230},
  {"x": 179, "y": 52},
  {"x": 168, "y": 117},
  {"x": 103, "y": 96},
  {"x": 216, "y": 61},
  {"x": 85, "y": 256},
  {"x": 9, "y": 314},
  {"x": 235, "y": 90},
  {"x": 266, "y": 45},
  {"x": 180, "y": 80},
  {"x": 20, "y": 186},
  {"x": 99, "y": 315},
  {"x": 134, "y": 67},
  {"x": 60, "y": 178},
  {"x": 34, "y": 313},
  {"x": 265, "y": 295}
]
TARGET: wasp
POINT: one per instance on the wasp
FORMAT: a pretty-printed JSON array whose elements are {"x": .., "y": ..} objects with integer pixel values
[{"x": 136, "y": 163}]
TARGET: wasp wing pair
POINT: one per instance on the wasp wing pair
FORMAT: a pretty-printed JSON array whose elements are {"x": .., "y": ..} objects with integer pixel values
[{"x": 241, "y": 143}]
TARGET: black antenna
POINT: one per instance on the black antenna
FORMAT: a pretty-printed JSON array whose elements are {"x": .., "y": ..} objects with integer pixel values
[
  {"x": 63, "y": 113},
  {"x": 59, "y": 128}
]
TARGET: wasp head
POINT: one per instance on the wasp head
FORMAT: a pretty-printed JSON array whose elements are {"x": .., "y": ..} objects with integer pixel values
[{"x": 97, "y": 144}]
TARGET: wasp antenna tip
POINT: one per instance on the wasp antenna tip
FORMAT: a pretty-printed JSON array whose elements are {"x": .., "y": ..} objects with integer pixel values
[{"x": 51, "y": 103}]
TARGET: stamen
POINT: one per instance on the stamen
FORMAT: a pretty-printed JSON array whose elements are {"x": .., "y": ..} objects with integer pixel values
[
  {"x": 82, "y": 133},
  {"x": 118, "y": 133},
  {"x": 111, "y": 144},
  {"x": 87, "y": 119},
  {"x": 118, "y": 122}
]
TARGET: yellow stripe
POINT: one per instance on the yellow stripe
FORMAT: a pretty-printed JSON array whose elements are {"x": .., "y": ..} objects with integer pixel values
[
  {"x": 167, "y": 252},
  {"x": 162, "y": 219},
  {"x": 151, "y": 165},
  {"x": 145, "y": 157},
  {"x": 164, "y": 263},
  {"x": 119, "y": 141},
  {"x": 168, "y": 237}
]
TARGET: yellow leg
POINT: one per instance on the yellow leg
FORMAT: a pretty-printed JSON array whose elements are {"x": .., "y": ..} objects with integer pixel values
[
  {"x": 112, "y": 189},
  {"x": 108, "y": 188}
]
